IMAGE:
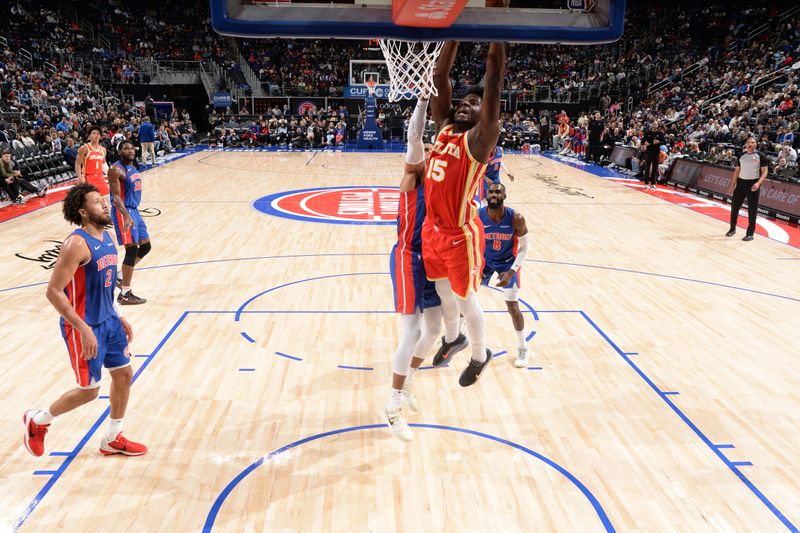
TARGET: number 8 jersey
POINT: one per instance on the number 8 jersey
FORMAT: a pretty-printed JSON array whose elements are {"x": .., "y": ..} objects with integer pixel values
[{"x": 451, "y": 180}]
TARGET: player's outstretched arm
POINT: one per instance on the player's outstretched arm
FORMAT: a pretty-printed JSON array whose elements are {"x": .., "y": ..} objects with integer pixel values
[
  {"x": 442, "y": 104},
  {"x": 415, "y": 151},
  {"x": 483, "y": 136}
]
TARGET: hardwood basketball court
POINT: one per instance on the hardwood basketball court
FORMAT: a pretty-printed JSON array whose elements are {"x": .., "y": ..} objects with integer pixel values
[{"x": 662, "y": 391}]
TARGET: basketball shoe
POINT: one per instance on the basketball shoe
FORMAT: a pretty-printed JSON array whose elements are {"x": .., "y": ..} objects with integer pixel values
[
  {"x": 34, "y": 433},
  {"x": 121, "y": 445},
  {"x": 394, "y": 419},
  {"x": 448, "y": 349},
  {"x": 522, "y": 358},
  {"x": 474, "y": 369},
  {"x": 129, "y": 299}
]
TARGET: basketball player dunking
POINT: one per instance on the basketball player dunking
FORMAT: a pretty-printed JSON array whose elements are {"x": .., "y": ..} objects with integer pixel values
[
  {"x": 506, "y": 237},
  {"x": 415, "y": 297},
  {"x": 81, "y": 289},
  {"x": 452, "y": 236},
  {"x": 90, "y": 161},
  {"x": 126, "y": 194}
]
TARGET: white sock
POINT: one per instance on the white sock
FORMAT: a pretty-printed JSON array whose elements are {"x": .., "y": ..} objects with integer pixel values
[
  {"x": 114, "y": 428},
  {"x": 449, "y": 310},
  {"x": 520, "y": 339},
  {"x": 125, "y": 290},
  {"x": 42, "y": 418},
  {"x": 410, "y": 377},
  {"x": 395, "y": 400},
  {"x": 473, "y": 314}
]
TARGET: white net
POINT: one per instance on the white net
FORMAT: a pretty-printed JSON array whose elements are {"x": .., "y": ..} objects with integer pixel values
[{"x": 410, "y": 67}]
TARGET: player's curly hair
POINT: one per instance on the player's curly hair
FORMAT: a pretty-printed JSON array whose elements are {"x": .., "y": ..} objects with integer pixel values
[{"x": 75, "y": 200}]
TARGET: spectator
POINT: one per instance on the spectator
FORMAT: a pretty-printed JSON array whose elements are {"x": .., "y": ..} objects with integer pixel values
[
  {"x": 12, "y": 180},
  {"x": 147, "y": 137},
  {"x": 70, "y": 152}
]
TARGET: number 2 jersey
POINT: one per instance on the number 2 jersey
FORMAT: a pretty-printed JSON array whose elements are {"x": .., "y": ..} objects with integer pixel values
[{"x": 91, "y": 290}]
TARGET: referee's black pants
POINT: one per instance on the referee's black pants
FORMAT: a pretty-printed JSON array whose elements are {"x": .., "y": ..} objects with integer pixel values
[
  {"x": 651, "y": 166},
  {"x": 744, "y": 190}
]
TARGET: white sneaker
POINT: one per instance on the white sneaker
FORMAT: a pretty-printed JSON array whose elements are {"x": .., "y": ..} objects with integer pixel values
[
  {"x": 409, "y": 399},
  {"x": 395, "y": 420},
  {"x": 522, "y": 358}
]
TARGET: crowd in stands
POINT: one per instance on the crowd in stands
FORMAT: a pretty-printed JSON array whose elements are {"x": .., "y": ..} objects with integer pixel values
[{"x": 692, "y": 69}]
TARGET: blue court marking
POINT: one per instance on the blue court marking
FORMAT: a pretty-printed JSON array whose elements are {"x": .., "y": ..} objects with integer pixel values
[
  {"x": 104, "y": 397},
  {"x": 260, "y": 258},
  {"x": 289, "y": 284},
  {"x": 668, "y": 276},
  {"x": 535, "y": 368},
  {"x": 287, "y": 356},
  {"x": 733, "y": 467},
  {"x": 742, "y": 463},
  {"x": 247, "y": 370},
  {"x": 721, "y": 446},
  {"x": 498, "y": 354},
  {"x": 60, "y": 454},
  {"x": 348, "y": 367},
  {"x": 247, "y": 337},
  {"x": 531, "y": 335},
  {"x": 631, "y": 353},
  {"x": 142, "y": 355},
  {"x": 523, "y": 302},
  {"x": 71, "y": 456},
  {"x": 220, "y": 500},
  {"x": 45, "y": 472},
  {"x": 670, "y": 393}
]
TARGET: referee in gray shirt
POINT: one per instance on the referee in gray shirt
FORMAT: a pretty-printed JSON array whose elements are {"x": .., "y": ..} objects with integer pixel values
[{"x": 750, "y": 173}]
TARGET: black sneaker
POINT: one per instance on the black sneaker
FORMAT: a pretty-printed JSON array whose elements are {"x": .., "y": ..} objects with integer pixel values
[
  {"x": 473, "y": 372},
  {"x": 747, "y": 238},
  {"x": 129, "y": 299},
  {"x": 731, "y": 233},
  {"x": 448, "y": 349}
]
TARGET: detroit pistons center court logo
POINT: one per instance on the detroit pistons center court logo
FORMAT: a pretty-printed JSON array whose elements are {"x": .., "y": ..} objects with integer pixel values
[{"x": 334, "y": 205}]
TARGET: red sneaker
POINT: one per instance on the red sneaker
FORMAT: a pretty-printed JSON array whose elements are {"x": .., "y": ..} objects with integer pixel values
[
  {"x": 121, "y": 445},
  {"x": 34, "y": 433}
]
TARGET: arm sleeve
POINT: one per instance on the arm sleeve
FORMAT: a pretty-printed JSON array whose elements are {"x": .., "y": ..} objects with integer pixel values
[
  {"x": 522, "y": 251},
  {"x": 415, "y": 153}
]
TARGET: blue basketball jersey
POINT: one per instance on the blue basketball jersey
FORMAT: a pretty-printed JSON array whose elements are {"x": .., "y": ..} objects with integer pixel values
[
  {"x": 493, "y": 166},
  {"x": 501, "y": 241},
  {"x": 410, "y": 216},
  {"x": 91, "y": 289},
  {"x": 131, "y": 186}
]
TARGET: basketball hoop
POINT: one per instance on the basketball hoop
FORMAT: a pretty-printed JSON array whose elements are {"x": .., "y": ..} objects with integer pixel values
[{"x": 410, "y": 68}]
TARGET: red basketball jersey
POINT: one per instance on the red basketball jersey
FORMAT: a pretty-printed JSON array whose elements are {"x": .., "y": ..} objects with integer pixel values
[
  {"x": 93, "y": 164},
  {"x": 451, "y": 180}
]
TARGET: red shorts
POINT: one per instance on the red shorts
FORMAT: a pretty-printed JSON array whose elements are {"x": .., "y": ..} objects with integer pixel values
[
  {"x": 100, "y": 182},
  {"x": 455, "y": 254}
]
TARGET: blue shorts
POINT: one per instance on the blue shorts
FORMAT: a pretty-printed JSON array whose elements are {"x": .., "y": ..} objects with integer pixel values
[
  {"x": 112, "y": 351},
  {"x": 489, "y": 270},
  {"x": 411, "y": 288},
  {"x": 136, "y": 233}
]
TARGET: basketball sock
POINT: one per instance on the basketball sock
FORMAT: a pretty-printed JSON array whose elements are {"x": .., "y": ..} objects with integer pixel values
[
  {"x": 42, "y": 418},
  {"x": 126, "y": 290},
  {"x": 473, "y": 314},
  {"x": 408, "y": 339},
  {"x": 520, "y": 338},
  {"x": 449, "y": 309},
  {"x": 431, "y": 329},
  {"x": 114, "y": 428},
  {"x": 395, "y": 400}
]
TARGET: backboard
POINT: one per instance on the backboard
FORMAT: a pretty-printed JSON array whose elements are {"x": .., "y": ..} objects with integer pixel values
[{"x": 525, "y": 21}]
